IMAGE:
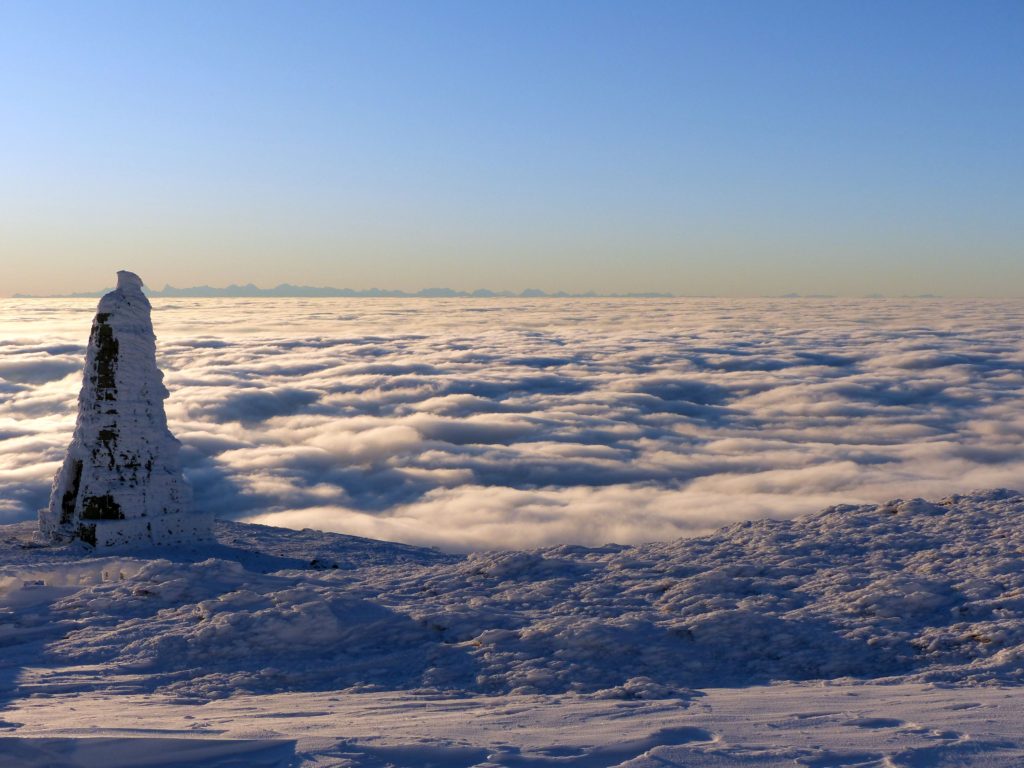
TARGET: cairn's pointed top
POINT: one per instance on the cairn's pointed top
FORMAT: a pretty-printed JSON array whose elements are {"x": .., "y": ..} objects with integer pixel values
[{"x": 128, "y": 282}]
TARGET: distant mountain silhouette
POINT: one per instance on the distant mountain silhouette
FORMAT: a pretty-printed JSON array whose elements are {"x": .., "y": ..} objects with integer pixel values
[{"x": 286, "y": 290}]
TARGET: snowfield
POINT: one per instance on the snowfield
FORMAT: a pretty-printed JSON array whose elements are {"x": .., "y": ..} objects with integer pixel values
[{"x": 876, "y": 635}]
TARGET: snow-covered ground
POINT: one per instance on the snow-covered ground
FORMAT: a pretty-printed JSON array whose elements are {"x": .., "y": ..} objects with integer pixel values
[
  {"x": 790, "y": 724},
  {"x": 879, "y": 635}
]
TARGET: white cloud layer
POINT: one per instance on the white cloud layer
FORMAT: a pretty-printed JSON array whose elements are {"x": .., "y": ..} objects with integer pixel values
[{"x": 472, "y": 424}]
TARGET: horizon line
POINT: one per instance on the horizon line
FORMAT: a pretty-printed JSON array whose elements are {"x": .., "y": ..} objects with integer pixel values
[{"x": 289, "y": 290}]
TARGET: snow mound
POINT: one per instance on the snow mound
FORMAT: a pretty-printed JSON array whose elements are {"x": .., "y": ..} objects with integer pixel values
[{"x": 911, "y": 590}]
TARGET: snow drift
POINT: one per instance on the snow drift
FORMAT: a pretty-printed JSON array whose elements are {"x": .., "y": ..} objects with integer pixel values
[{"x": 909, "y": 589}]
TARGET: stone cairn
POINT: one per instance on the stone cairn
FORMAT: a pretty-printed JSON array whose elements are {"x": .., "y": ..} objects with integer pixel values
[{"x": 121, "y": 483}]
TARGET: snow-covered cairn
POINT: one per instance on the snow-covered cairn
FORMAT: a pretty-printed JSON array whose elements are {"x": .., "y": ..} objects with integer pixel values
[{"x": 121, "y": 482}]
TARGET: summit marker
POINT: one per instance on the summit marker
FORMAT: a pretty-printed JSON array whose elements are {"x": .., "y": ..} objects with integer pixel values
[{"x": 121, "y": 483}]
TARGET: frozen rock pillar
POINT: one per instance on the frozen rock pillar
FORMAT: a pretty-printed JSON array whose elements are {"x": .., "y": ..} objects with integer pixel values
[{"x": 121, "y": 483}]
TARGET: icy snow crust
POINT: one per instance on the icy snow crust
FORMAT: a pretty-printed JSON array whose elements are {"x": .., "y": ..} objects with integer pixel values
[
  {"x": 790, "y": 725},
  {"x": 908, "y": 590},
  {"x": 121, "y": 482}
]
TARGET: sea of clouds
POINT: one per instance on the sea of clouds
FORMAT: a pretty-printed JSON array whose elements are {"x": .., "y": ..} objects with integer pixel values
[{"x": 499, "y": 423}]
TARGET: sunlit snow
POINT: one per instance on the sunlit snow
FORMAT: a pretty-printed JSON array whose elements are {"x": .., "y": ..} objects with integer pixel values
[{"x": 875, "y": 631}]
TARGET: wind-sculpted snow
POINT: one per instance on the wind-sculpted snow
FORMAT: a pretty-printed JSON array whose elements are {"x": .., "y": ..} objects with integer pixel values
[
  {"x": 474, "y": 424},
  {"x": 912, "y": 590}
]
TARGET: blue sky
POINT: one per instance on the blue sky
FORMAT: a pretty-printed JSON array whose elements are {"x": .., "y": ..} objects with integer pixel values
[{"x": 733, "y": 148}]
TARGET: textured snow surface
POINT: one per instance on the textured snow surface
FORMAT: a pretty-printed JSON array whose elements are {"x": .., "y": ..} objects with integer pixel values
[
  {"x": 791, "y": 724},
  {"x": 604, "y": 656},
  {"x": 928, "y": 592}
]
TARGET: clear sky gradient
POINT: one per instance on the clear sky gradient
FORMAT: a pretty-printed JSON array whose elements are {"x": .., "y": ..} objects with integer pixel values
[{"x": 733, "y": 148}]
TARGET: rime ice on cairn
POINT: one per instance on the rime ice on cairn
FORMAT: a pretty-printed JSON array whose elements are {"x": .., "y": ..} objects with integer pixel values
[{"x": 121, "y": 482}]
